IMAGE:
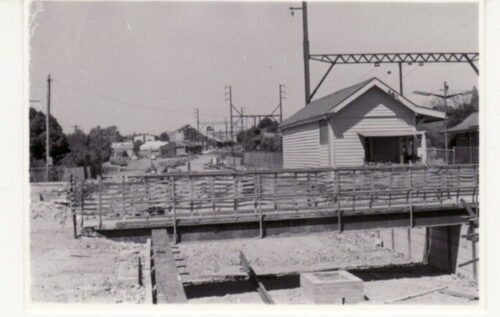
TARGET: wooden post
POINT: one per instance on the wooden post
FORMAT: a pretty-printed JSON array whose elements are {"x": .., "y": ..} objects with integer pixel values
[
  {"x": 123, "y": 195},
  {"x": 410, "y": 193},
  {"x": 99, "y": 197},
  {"x": 390, "y": 187},
  {"x": 72, "y": 198},
  {"x": 339, "y": 211},
  {"x": 235, "y": 194},
  {"x": 148, "y": 194},
  {"x": 174, "y": 206},
  {"x": 82, "y": 202},
  {"x": 392, "y": 240},
  {"x": 259, "y": 200},
  {"x": 275, "y": 191},
  {"x": 212, "y": 192},
  {"x": 409, "y": 243},
  {"x": 474, "y": 253},
  {"x": 191, "y": 193},
  {"x": 295, "y": 191}
]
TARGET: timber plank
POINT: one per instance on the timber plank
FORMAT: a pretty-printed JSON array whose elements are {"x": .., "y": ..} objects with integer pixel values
[{"x": 169, "y": 288}]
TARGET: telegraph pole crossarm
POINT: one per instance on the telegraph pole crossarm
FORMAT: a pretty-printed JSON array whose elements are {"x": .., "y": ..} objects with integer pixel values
[{"x": 445, "y": 98}]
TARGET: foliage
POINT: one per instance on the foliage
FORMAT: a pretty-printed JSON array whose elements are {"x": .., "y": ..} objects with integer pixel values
[
  {"x": 58, "y": 142},
  {"x": 191, "y": 134},
  {"x": 91, "y": 150},
  {"x": 164, "y": 137},
  {"x": 255, "y": 138},
  {"x": 458, "y": 108},
  {"x": 137, "y": 147}
]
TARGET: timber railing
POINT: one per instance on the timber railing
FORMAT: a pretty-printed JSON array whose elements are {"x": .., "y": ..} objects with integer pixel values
[{"x": 197, "y": 195}]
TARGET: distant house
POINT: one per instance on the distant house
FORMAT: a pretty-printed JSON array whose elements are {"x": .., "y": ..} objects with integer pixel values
[
  {"x": 151, "y": 148},
  {"x": 122, "y": 149},
  {"x": 464, "y": 138},
  {"x": 145, "y": 137},
  {"x": 365, "y": 123}
]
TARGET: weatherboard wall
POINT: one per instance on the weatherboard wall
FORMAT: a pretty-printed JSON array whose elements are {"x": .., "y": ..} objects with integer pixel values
[
  {"x": 301, "y": 146},
  {"x": 374, "y": 111}
]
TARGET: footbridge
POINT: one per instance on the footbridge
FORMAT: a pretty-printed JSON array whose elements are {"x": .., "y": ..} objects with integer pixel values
[{"x": 238, "y": 204}]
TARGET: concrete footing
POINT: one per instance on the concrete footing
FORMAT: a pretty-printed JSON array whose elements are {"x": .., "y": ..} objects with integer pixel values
[{"x": 338, "y": 287}]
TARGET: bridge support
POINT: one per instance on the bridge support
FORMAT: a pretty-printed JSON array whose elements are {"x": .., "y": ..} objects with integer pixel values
[{"x": 450, "y": 248}]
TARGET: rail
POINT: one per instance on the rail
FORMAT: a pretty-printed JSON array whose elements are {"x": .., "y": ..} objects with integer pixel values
[{"x": 197, "y": 195}]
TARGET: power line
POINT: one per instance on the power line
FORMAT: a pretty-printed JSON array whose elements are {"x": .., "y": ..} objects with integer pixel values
[{"x": 128, "y": 103}]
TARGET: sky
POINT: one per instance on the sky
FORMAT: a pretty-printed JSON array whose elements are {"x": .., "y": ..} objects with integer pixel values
[{"x": 145, "y": 66}]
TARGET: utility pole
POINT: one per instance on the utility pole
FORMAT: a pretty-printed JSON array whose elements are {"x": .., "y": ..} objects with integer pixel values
[
  {"x": 48, "y": 159},
  {"x": 197, "y": 113},
  {"x": 307, "y": 83},
  {"x": 230, "y": 99},
  {"x": 242, "y": 118},
  {"x": 282, "y": 97},
  {"x": 400, "y": 78},
  {"x": 225, "y": 124},
  {"x": 445, "y": 96},
  {"x": 445, "y": 122}
]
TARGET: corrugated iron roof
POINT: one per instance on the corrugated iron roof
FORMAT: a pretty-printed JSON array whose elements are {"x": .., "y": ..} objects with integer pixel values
[
  {"x": 336, "y": 101},
  {"x": 324, "y": 105},
  {"x": 469, "y": 123}
]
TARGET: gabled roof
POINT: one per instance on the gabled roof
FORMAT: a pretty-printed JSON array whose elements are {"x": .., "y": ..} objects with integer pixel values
[
  {"x": 469, "y": 123},
  {"x": 333, "y": 103}
]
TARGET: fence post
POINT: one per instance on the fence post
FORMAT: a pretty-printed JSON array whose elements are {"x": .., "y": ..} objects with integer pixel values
[
  {"x": 339, "y": 212},
  {"x": 235, "y": 193},
  {"x": 123, "y": 194},
  {"x": 99, "y": 193},
  {"x": 275, "y": 191},
  {"x": 259, "y": 206},
  {"x": 72, "y": 197},
  {"x": 174, "y": 206},
  {"x": 410, "y": 193},
  {"x": 82, "y": 202}
]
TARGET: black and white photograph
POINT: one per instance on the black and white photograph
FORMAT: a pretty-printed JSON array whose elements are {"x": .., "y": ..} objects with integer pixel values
[{"x": 309, "y": 154}]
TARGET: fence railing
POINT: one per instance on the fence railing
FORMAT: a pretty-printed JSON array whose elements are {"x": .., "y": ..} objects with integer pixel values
[{"x": 286, "y": 191}]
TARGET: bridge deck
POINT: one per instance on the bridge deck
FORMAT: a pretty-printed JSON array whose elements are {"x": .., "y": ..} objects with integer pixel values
[{"x": 314, "y": 199}]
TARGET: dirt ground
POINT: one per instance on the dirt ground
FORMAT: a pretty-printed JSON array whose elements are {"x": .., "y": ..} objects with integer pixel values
[
  {"x": 376, "y": 293},
  {"x": 286, "y": 254},
  {"x": 85, "y": 270},
  {"x": 329, "y": 251},
  {"x": 98, "y": 270}
]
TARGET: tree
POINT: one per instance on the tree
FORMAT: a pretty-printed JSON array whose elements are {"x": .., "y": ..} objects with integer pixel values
[
  {"x": 91, "y": 150},
  {"x": 58, "y": 142},
  {"x": 164, "y": 137},
  {"x": 269, "y": 125},
  {"x": 458, "y": 108},
  {"x": 253, "y": 139},
  {"x": 137, "y": 147},
  {"x": 191, "y": 134}
]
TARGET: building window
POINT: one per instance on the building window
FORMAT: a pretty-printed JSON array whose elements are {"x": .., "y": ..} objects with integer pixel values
[{"x": 323, "y": 132}]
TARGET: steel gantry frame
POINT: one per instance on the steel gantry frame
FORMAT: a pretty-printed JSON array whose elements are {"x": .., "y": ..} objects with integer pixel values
[
  {"x": 372, "y": 58},
  {"x": 392, "y": 58}
]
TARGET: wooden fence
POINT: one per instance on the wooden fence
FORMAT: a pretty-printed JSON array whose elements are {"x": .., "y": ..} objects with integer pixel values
[
  {"x": 271, "y": 160},
  {"x": 286, "y": 191}
]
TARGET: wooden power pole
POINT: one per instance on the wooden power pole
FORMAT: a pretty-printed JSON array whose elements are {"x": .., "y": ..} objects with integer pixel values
[
  {"x": 305, "y": 43},
  {"x": 48, "y": 159}
]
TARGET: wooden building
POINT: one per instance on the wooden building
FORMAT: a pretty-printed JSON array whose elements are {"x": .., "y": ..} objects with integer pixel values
[
  {"x": 365, "y": 123},
  {"x": 464, "y": 139}
]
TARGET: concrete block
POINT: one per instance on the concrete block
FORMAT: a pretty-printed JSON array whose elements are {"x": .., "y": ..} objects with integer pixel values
[{"x": 339, "y": 287}]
